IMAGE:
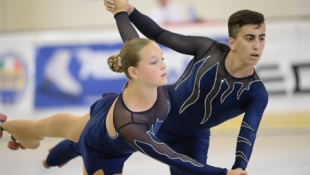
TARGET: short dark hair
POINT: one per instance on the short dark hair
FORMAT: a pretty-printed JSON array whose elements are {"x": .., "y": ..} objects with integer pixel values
[{"x": 243, "y": 17}]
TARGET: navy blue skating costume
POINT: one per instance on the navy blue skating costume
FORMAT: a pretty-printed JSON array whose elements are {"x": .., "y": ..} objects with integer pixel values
[
  {"x": 206, "y": 95},
  {"x": 62, "y": 153},
  {"x": 135, "y": 131}
]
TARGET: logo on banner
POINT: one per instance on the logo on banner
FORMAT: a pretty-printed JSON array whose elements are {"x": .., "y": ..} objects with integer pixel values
[
  {"x": 13, "y": 78},
  {"x": 75, "y": 75}
]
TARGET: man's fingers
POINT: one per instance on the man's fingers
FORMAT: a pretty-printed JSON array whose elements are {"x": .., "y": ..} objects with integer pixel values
[
  {"x": 108, "y": 1},
  {"x": 110, "y": 7}
]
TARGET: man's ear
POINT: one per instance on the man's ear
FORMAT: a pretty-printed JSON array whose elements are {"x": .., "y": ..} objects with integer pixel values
[
  {"x": 133, "y": 73},
  {"x": 232, "y": 43}
]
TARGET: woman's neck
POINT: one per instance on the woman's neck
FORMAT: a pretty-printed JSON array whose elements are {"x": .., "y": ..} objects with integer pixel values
[{"x": 139, "y": 97}]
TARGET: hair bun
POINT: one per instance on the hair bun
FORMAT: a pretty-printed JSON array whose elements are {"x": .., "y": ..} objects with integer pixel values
[{"x": 113, "y": 63}]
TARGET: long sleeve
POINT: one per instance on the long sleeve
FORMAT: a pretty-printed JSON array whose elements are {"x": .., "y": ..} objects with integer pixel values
[
  {"x": 147, "y": 143},
  {"x": 255, "y": 108},
  {"x": 190, "y": 45},
  {"x": 125, "y": 29}
]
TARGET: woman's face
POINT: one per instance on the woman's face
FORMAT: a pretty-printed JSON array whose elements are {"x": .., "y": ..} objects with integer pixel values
[{"x": 151, "y": 69}]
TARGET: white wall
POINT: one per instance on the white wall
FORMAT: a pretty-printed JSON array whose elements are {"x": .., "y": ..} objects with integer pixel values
[
  {"x": 1, "y": 15},
  {"x": 51, "y": 14}
]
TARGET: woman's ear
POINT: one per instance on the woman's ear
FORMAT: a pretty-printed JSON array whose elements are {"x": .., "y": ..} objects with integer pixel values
[
  {"x": 232, "y": 43},
  {"x": 133, "y": 73}
]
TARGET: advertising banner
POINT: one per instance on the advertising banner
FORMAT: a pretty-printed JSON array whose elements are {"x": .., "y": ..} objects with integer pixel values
[{"x": 74, "y": 75}]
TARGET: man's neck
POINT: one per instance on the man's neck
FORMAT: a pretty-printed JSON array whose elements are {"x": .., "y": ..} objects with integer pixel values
[{"x": 236, "y": 68}]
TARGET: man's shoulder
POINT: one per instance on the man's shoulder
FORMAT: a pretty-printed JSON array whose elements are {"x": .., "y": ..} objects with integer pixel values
[
  {"x": 258, "y": 86},
  {"x": 222, "y": 46}
]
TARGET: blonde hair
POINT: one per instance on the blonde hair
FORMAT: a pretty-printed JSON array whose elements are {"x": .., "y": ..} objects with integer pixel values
[{"x": 128, "y": 56}]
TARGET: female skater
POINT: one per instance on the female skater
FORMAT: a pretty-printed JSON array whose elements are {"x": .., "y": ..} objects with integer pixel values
[{"x": 117, "y": 125}]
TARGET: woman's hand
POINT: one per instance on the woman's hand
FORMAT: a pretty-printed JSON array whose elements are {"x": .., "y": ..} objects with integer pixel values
[{"x": 237, "y": 171}]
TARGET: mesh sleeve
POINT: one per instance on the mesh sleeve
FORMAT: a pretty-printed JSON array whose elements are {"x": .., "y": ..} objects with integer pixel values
[
  {"x": 147, "y": 143},
  {"x": 125, "y": 29},
  {"x": 190, "y": 45}
]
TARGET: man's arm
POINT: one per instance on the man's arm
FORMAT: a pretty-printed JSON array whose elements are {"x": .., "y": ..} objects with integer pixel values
[
  {"x": 254, "y": 111},
  {"x": 190, "y": 45}
]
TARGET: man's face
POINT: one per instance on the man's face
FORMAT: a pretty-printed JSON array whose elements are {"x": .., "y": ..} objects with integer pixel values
[{"x": 250, "y": 43}]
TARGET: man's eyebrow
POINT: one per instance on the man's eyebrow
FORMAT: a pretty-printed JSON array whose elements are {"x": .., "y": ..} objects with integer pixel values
[{"x": 251, "y": 35}]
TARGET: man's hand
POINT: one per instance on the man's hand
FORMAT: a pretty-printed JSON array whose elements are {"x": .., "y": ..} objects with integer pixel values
[
  {"x": 109, "y": 4},
  {"x": 116, "y": 6},
  {"x": 112, "y": 4}
]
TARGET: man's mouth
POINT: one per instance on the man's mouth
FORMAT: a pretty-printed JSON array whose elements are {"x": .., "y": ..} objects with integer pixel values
[{"x": 255, "y": 55}]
